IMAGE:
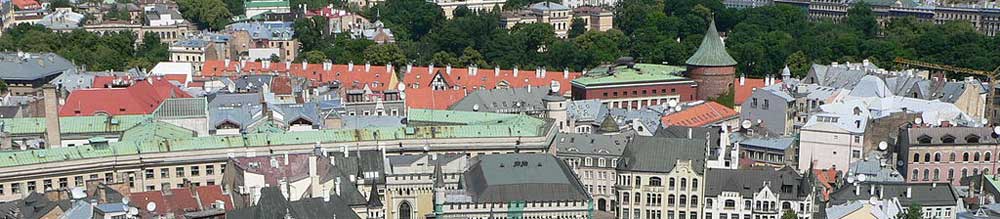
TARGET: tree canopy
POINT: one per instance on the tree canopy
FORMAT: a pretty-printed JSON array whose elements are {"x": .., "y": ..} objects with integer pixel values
[{"x": 111, "y": 51}]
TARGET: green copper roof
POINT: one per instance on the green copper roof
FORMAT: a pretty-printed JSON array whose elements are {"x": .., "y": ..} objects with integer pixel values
[
  {"x": 73, "y": 124},
  {"x": 156, "y": 137},
  {"x": 624, "y": 74},
  {"x": 265, "y": 3},
  {"x": 712, "y": 51}
]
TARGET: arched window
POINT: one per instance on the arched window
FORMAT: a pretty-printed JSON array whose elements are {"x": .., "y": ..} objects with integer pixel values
[
  {"x": 952, "y": 157},
  {"x": 965, "y": 173},
  {"x": 965, "y": 156},
  {"x": 916, "y": 157},
  {"x": 405, "y": 211},
  {"x": 637, "y": 198},
  {"x": 694, "y": 201},
  {"x": 625, "y": 198},
  {"x": 916, "y": 174},
  {"x": 730, "y": 204},
  {"x": 684, "y": 182},
  {"x": 655, "y": 181},
  {"x": 683, "y": 200},
  {"x": 786, "y": 206},
  {"x": 937, "y": 174},
  {"x": 937, "y": 157},
  {"x": 670, "y": 200},
  {"x": 951, "y": 174},
  {"x": 927, "y": 174},
  {"x": 694, "y": 184},
  {"x": 747, "y": 205},
  {"x": 671, "y": 183},
  {"x": 708, "y": 203},
  {"x": 975, "y": 157},
  {"x": 927, "y": 157},
  {"x": 986, "y": 156},
  {"x": 975, "y": 171}
]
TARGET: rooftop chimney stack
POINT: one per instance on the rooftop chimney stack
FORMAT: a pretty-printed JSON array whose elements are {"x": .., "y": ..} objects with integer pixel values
[
  {"x": 53, "y": 137},
  {"x": 515, "y": 71},
  {"x": 368, "y": 66},
  {"x": 909, "y": 192},
  {"x": 350, "y": 66},
  {"x": 447, "y": 69},
  {"x": 409, "y": 67}
]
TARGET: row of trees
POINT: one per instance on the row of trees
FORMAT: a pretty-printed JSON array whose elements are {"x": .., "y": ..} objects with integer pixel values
[
  {"x": 763, "y": 39},
  {"x": 113, "y": 51}
]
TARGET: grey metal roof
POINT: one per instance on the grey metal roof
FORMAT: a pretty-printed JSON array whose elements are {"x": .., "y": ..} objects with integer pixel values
[
  {"x": 291, "y": 112},
  {"x": 243, "y": 116},
  {"x": 870, "y": 86},
  {"x": 510, "y": 100},
  {"x": 182, "y": 108},
  {"x": 925, "y": 194},
  {"x": 233, "y": 100},
  {"x": 649, "y": 118},
  {"x": 270, "y": 30},
  {"x": 773, "y": 143},
  {"x": 785, "y": 182},
  {"x": 874, "y": 170},
  {"x": 657, "y": 154},
  {"x": 596, "y": 144},
  {"x": 272, "y": 204},
  {"x": 522, "y": 177},
  {"x": 587, "y": 111},
  {"x": 32, "y": 66}
]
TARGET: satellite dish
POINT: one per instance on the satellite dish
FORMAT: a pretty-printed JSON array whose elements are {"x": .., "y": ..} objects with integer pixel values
[
  {"x": 151, "y": 206},
  {"x": 759, "y": 121},
  {"x": 672, "y": 102},
  {"x": 745, "y": 124},
  {"x": 125, "y": 200},
  {"x": 883, "y": 145},
  {"x": 850, "y": 179},
  {"x": 996, "y": 130},
  {"x": 401, "y": 87},
  {"x": 985, "y": 121},
  {"x": 677, "y": 108},
  {"x": 862, "y": 177},
  {"x": 475, "y": 107},
  {"x": 402, "y": 95},
  {"x": 133, "y": 211},
  {"x": 918, "y": 121},
  {"x": 554, "y": 86},
  {"x": 899, "y": 163}
]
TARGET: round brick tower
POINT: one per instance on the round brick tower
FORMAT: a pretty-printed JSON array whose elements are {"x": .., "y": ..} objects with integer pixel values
[{"x": 711, "y": 66}]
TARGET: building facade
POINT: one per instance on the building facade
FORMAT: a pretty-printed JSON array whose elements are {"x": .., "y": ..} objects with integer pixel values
[
  {"x": 593, "y": 158},
  {"x": 657, "y": 180},
  {"x": 711, "y": 66},
  {"x": 634, "y": 86},
  {"x": 761, "y": 193},
  {"x": 946, "y": 154}
]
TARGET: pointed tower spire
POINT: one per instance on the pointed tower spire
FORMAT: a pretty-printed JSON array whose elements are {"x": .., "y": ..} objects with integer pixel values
[
  {"x": 712, "y": 51},
  {"x": 373, "y": 201},
  {"x": 438, "y": 176}
]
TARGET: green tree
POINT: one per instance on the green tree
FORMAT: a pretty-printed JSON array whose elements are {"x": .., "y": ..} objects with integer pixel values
[
  {"x": 314, "y": 57},
  {"x": 60, "y": 4},
  {"x": 912, "y": 212},
  {"x": 235, "y": 7},
  {"x": 410, "y": 19},
  {"x": 381, "y": 54},
  {"x": 274, "y": 58},
  {"x": 798, "y": 63},
  {"x": 471, "y": 56},
  {"x": 577, "y": 27},
  {"x": 789, "y": 214},
  {"x": 861, "y": 17},
  {"x": 461, "y": 11},
  {"x": 727, "y": 99},
  {"x": 603, "y": 47},
  {"x": 3, "y": 86},
  {"x": 207, "y": 14},
  {"x": 310, "y": 32},
  {"x": 443, "y": 58}
]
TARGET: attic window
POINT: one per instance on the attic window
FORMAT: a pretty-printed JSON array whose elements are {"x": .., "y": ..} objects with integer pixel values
[
  {"x": 924, "y": 139},
  {"x": 972, "y": 138},
  {"x": 947, "y": 139}
]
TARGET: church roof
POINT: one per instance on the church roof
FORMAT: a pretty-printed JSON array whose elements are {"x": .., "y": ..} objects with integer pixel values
[{"x": 712, "y": 51}]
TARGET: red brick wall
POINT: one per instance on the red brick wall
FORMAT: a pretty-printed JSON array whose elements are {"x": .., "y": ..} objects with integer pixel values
[{"x": 712, "y": 81}]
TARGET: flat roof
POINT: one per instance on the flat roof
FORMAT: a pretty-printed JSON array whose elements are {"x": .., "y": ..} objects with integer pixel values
[{"x": 638, "y": 74}]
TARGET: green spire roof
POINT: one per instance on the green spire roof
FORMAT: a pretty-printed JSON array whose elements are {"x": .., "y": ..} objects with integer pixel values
[{"x": 712, "y": 51}]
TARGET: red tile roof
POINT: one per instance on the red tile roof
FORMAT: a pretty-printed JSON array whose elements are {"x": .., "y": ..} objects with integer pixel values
[
  {"x": 141, "y": 98},
  {"x": 180, "y": 200},
  {"x": 27, "y": 4},
  {"x": 281, "y": 85},
  {"x": 419, "y": 93},
  {"x": 700, "y": 115},
  {"x": 745, "y": 90},
  {"x": 103, "y": 81},
  {"x": 826, "y": 178},
  {"x": 377, "y": 77}
]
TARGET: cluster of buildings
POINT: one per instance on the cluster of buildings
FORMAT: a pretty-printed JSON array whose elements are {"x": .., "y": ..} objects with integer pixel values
[{"x": 560, "y": 17}]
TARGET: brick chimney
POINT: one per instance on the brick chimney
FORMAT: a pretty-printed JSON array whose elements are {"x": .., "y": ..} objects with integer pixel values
[{"x": 52, "y": 135}]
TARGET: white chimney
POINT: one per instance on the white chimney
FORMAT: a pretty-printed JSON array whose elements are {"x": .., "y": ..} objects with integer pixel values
[
  {"x": 346, "y": 151},
  {"x": 690, "y": 133},
  {"x": 447, "y": 69},
  {"x": 565, "y": 73},
  {"x": 881, "y": 191},
  {"x": 327, "y": 65},
  {"x": 243, "y": 63},
  {"x": 496, "y": 71},
  {"x": 388, "y": 67},
  {"x": 430, "y": 69},
  {"x": 857, "y": 189},
  {"x": 871, "y": 190},
  {"x": 472, "y": 69},
  {"x": 909, "y": 192},
  {"x": 350, "y": 66},
  {"x": 304, "y": 64},
  {"x": 743, "y": 79},
  {"x": 337, "y": 185},
  {"x": 286, "y": 158},
  {"x": 368, "y": 66},
  {"x": 288, "y": 65},
  {"x": 515, "y": 71},
  {"x": 227, "y": 63},
  {"x": 409, "y": 67}
]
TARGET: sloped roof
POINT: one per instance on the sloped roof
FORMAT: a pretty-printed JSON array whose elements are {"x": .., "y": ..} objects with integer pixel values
[
  {"x": 596, "y": 144},
  {"x": 461, "y": 81},
  {"x": 512, "y": 100},
  {"x": 925, "y": 194},
  {"x": 141, "y": 98},
  {"x": 179, "y": 200},
  {"x": 32, "y": 66},
  {"x": 747, "y": 88},
  {"x": 592, "y": 111},
  {"x": 701, "y": 115},
  {"x": 870, "y": 86},
  {"x": 749, "y": 181},
  {"x": 522, "y": 177},
  {"x": 657, "y": 154},
  {"x": 182, "y": 108},
  {"x": 712, "y": 51},
  {"x": 273, "y": 204}
]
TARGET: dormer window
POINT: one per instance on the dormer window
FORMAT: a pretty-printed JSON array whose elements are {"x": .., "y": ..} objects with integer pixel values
[
  {"x": 924, "y": 139},
  {"x": 972, "y": 138},
  {"x": 947, "y": 139}
]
